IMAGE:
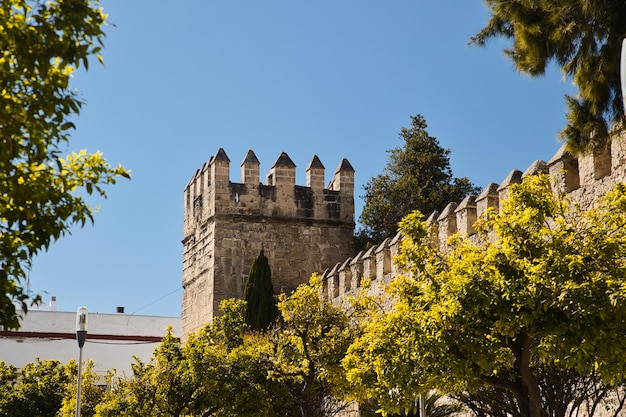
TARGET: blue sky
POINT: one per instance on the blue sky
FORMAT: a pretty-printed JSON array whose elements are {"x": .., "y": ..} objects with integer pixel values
[{"x": 327, "y": 78}]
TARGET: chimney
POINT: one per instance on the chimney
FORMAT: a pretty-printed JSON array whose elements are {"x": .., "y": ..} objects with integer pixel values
[
  {"x": 53, "y": 303},
  {"x": 119, "y": 310}
]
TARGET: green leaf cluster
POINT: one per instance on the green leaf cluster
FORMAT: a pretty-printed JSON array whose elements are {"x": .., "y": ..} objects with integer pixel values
[
  {"x": 215, "y": 372},
  {"x": 42, "y": 44},
  {"x": 37, "y": 389},
  {"x": 584, "y": 39}
]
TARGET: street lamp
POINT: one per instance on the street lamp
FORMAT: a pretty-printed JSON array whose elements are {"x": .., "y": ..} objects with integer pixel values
[
  {"x": 622, "y": 72},
  {"x": 81, "y": 335}
]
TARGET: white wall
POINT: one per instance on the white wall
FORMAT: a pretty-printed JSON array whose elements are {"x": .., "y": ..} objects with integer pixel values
[{"x": 112, "y": 339}]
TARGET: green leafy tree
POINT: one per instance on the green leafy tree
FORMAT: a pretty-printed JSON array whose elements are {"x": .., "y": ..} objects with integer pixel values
[
  {"x": 218, "y": 372},
  {"x": 536, "y": 295},
  {"x": 163, "y": 386},
  {"x": 231, "y": 368},
  {"x": 259, "y": 295},
  {"x": 417, "y": 177},
  {"x": 130, "y": 396},
  {"x": 308, "y": 348},
  {"x": 584, "y": 39},
  {"x": 42, "y": 44},
  {"x": 37, "y": 389}
]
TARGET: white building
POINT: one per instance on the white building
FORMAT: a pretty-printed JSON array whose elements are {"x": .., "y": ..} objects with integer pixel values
[{"x": 112, "y": 339}]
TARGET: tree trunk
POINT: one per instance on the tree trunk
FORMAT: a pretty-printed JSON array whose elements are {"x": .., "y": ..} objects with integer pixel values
[{"x": 528, "y": 392}]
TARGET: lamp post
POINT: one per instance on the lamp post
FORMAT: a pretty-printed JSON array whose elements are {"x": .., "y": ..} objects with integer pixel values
[
  {"x": 622, "y": 72},
  {"x": 81, "y": 335}
]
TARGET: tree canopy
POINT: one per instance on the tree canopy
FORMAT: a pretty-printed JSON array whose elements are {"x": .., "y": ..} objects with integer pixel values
[
  {"x": 216, "y": 372},
  {"x": 584, "y": 39},
  {"x": 532, "y": 306},
  {"x": 417, "y": 177},
  {"x": 37, "y": 389},
  {"x": 42, "y": 44},
  {"x": 307, "y": 349}
]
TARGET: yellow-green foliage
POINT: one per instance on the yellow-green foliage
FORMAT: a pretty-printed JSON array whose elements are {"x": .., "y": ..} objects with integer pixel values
[
  {"x": 38, "y": 388},
  {"x": 307, "y": 349},
  {"x": 541, "y": 286}
]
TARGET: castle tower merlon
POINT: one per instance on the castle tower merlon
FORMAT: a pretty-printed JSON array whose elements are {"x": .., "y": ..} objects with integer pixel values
[
  {"x": 466, "y": 215},
  {"x": 325, "y": 284},
  {"x": 369, "y": 263},
  {"x": 209, "y": 171},
  {"x": 345, "y": 277},
  {"x": 333, "y": 281},
  {"x": 595, "y": 165},
  {"x": 489, "y": 197},
  {"x": 189, "y": 195},
  {"x": 514, "y": 177},
  {"x": 315, "y": 181},
  {"x": 205, "y": 184},
  {"x": 188, "y": 192},
  {"x": 250, "y": 169},
  {"x": 356, "y": 267},
  {"x": 343, "y": 181},
  {"x": 194, "y": 183},
  {"x": 383, "y": 259},
  {"x": 206, "y": 176},
  {"x": 602, "y": 163},
  {"x": 315, "y": 174},
  {"x": 220, "y": 168},
  {"x": 537, "y": 167},
  {"x": 395, "y": 247},
  {"x": 447, "y": 223},
  {"x": 618, "y": 153},
  {"x": 283, "y": 172},
  {"x": 433, "y": 226},
  {"x": 220, "y": 175},
  {"x": 563, "y": 169},
  {"x": 282, "y": 176}
]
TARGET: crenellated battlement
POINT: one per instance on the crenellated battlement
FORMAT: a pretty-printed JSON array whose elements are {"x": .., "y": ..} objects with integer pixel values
[
  {"x": 226, "y": 224},
  {"x": 210, "y": 191},
  {"x": 585, "y": 178}
]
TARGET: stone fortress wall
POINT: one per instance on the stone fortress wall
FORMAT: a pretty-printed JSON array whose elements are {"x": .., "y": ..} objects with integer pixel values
[
  {"x": 585, "y": 178},
  {"x": 304, "y": 229},
  {"x": 301, "y": 229}
]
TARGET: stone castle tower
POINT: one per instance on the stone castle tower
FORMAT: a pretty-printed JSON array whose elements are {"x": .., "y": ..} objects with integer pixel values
[{"x": 302, "y": 229}]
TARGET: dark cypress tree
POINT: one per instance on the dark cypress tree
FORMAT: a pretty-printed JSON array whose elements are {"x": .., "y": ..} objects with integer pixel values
[{"x": 259, "y": 294}]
